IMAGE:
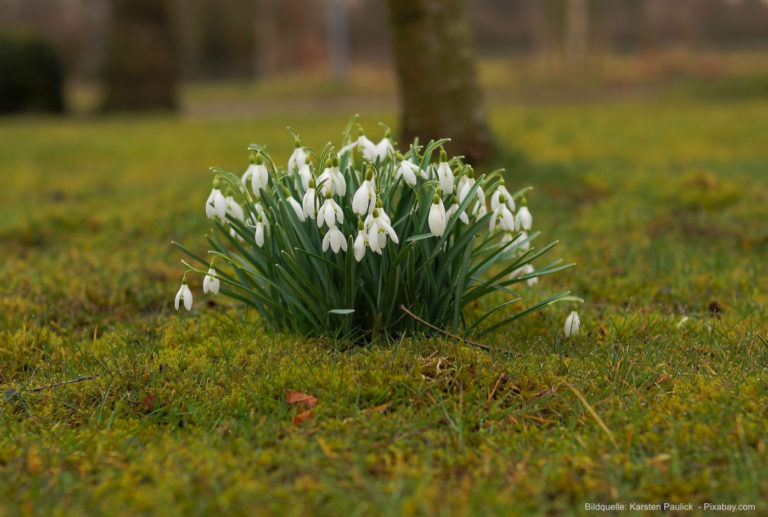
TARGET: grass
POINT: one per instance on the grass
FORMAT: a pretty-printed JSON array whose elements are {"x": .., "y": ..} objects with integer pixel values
[{"x": 662, "y": 205}]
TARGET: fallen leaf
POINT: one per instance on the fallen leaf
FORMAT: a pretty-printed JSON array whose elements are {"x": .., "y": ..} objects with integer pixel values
[
  {"x": 377, "y": 409},
  {"x": 300, "y": 399},
  {"x": 301, "y": 417}
]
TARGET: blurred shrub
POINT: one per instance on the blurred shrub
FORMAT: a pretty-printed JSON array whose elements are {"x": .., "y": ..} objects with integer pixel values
[{"x": 31, "y": 75}]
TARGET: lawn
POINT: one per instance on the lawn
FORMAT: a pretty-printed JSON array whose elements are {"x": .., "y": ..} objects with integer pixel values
[{"x": 662, "y": 398}]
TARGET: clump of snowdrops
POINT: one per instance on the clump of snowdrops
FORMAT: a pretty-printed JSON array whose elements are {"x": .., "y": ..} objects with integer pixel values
[{"x": 339, "y": 241}]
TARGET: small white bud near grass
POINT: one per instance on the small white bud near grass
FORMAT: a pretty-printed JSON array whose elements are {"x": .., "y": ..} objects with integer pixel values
[
  {"x": 445, "y": 174},
  {"x": 437, "y": 217},
  {"x": 216, "y": 205},
  {"x": 259, "y": 176},
  {"x": 523, "y": 218},
  {"x": 184, "y": 295},
  {"x": 572, "y": 324}
]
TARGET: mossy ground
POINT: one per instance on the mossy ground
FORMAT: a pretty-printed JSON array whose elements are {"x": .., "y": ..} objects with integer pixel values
[{"x": 663, "y": 206}]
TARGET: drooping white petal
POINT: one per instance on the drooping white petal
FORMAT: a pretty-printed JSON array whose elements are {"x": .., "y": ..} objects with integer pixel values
[
  {"x": 234, "y": 209},
  {"x": 184, "y": 295},
  {"x": 445, "y": 177},
  {"x": 462, "y": 217},
  {"x": 364, "y": 200},
  {"x": 297, "y": 160},
  {"x": 297, "y": 208},
  {"x": 523, "y": 218},
  {"x": 259, "y": 179},
  {"x": 309, "y": 203},
  {"x": 572, "y": 324},
  {"x": 220, "y": 206},
  {"x": 407, "y": 170},
  {"x": 305, "y": 173},
  {"x": 437, "y": 219},
  {"x": 361, "y": 242},
  {"x": 259, "y": 234},
  {"x": 211, "y": 282}
]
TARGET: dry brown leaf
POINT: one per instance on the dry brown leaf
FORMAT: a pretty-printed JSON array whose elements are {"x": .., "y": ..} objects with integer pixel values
[
  {"x": 301, "y": 417},
  {"x": 300, "y": 399}
]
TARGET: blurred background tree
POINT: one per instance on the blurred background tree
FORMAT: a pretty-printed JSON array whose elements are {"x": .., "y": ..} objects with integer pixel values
[
  {"x": 31, "y": 75},
  {"x": 141, "y": 70},
  {"x": 437, "y": 76}
]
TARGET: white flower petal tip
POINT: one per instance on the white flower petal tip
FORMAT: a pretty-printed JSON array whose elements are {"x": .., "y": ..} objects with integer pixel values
[
  {"x": 572, "y": 324},
  {"x": 523, "y": 218},
  {"x": 298, "y": 209},
  {"x": 184, "y": 295},
  {"x": 335, "y": 240},
  {"x": 211, "y": 282},
  {"x": 437, "y": 217}
]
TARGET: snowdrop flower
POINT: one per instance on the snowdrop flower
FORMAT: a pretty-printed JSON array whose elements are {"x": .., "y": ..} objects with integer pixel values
[
  {"x": 304, "y": 175},
  {"x": 234, "y": 209},
  {"x": 362, "y": 144},
  {"x": 184, "y": 295},
  {"x": 211, "y": 282},
  {"x": 572, "y": 324},
  {"x": 379, "y": 151},
  {"x": 523, "y": 218},
  {"x": 452, "y": 210},
  {"x": 332, "y": 179},
  {"x": 364, "y": 200},
  {"x": 249, "y": 171},
  {"x": 379, "y": 226},
  {"x": 523, "y": 238},
  {"x": 216, "y": 205},
  {"x": 261, "y": 226},
  {"x": 501, "y": 190},
  {"x": 502, "y": 216},
  {"x": 335, "y": 239},
  {"x": 407, "y": 170},
  {"x": 297, "y": 208},
  {"x": 259, "y": 176},
  {"x": 330, "y": 213},
  {"x": 522, "y": 271},
  {"x": 444, "y": 174},
  {"x": 437, "y": 217},
  {"x": 309, "y": 202},
  {"x": 361, "y": 242},
  {"x": 298, "y": 157},
  {"x": 466, "y": 183},
  {"x": 427, "y": 172}
]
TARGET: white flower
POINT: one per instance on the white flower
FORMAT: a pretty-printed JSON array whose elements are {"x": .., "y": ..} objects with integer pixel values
[
  {"x": 523, "y": 218},
  {"x": 234, "y": 234},
  {"x": 259, "y": 178},
  {"x": 503, "y": 217},
  {"x": 522, "y": 271},
  {"x": 378, "y": 226},
  {"x": 336, "y": 239},
  {"x": 437, "y": 217},
  {"x": 234, "y": 209},
  {"x": 184, "y": 295},
  {"x": 364, "y": 200},
  {"x": 572, "y": 324},
  {"x": 522, "y": 241},
  {"x": 309, "y": 202},
  {"x": 332, "y": 179},
  {"x": 330, "y": 212},
  {"x": 216, "y": 205},
  {"x": 211, "y": 282},
  {"x": 501, "y": 190},
  {"x": 305, "y": 174},
  {"x": 444, "y": 174},
  {"x": 466, "y": 182},
  {"x": 362, "y": 144},
  {"x": 379, "y": 151},
  {"x": 298, "y": 158},
  {"x": 407, "y": 170},
  {"x": 261, "y": 226},
  {"x": 427, "y": 172},
  {"x": 452, "y": 210},
  {"x": 361, "y": 242},
  {"x": 297, "y": 208}
]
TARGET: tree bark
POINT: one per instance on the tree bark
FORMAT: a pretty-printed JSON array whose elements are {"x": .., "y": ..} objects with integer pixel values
[
  {"x": 141, "y": 72},
  {"x": 437, "y": 76}
]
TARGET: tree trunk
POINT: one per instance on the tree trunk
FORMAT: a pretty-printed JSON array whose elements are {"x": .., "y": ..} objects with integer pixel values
[
  {"x": 576, "y": 30},
  {"x": 141, "y": 70},
  {"x": 440, "y": 93}
]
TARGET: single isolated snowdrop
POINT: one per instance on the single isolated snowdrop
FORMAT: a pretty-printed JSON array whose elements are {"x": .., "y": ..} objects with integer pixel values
[
  {"x": 335, "y": 239},
  {"x": 407, "y": 170},
  {"x": 298, "y": 157},
  {"x": 309, "y": 202},
  {"x": 572, "y": 324},
  {"x": 364, "y": 200},
  {"x": 501, "y": 190},
  {"x": 211, "y": 282},
  {"x": 437, "y": 217},
  {"x": 502, "y": 216},
  {"x": 454, "y": 208},
  {"x": 332, "y": 179},
  {"x": 361, "y": 242},
  {"x": 330, "y": 213},
  {"x": 523, "y": 218},
  {"x": 184, "y": 295},
  {"x": 216, "y": 205},
  {"x": 445, "y": 174}
]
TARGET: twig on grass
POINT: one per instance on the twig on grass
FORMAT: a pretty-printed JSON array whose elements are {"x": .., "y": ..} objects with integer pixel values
[
  {"x": 62, "y": 383},
  {"x": 454, "y": 336}
]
